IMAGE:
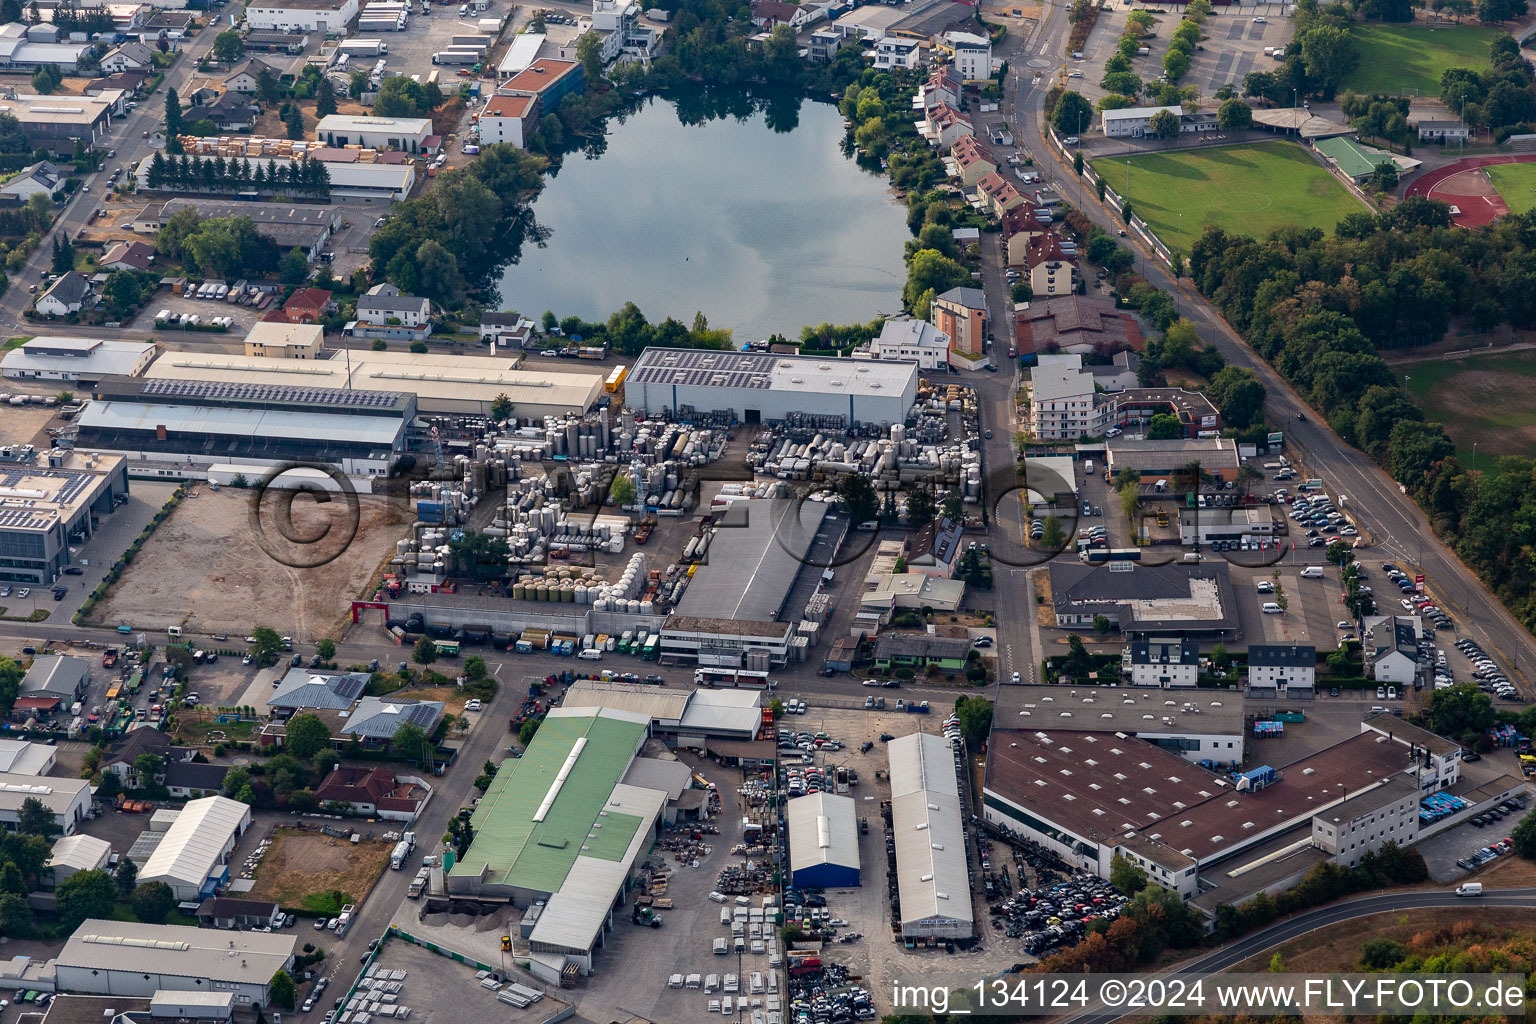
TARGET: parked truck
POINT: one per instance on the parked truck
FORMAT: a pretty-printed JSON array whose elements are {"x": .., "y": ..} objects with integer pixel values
[
  {"x": 455, "y": 57},
  {"x": 397, "y": 857},
  {"x": 418, "y": 884},
  {"x": 344, "y": 920}
]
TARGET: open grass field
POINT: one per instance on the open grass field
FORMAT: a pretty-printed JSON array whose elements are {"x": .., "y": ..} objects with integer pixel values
[
  {"x": 1488, "y": 400},
  {"x": 1408, "y": 60},
  {"x": 302, "y": 868},
  {"x": 1516, "y": 184},
  {"x": 1247, "y": 190}
]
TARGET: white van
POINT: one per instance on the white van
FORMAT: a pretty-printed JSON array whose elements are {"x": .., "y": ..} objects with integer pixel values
[
  {"x": 590, "y": 654},
  {"x": 1271, "y": 608},
  {"x": 174, "y": 632},
  {"x": 1088, "y": 467},
  {"x": 1312, "y": 572},
  {"x": 1469, "y": 889}
]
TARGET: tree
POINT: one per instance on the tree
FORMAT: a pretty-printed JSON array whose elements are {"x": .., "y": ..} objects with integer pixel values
[
  {"x": 35, "y": 818},
  {"x": 856, "y": 497},
  {"x": 931, "y": 271},
  {"x": 1459, "y": 709},
  {"x": 474, "y": 668},
  {"x": 15, "y": 916},
  {"x": 1051, "y": 536},
  {"x": 293, "y": 121},
  {"x": 1380, "y": 954},
  {"x": 85, "y": 894},
  {"x": 1101, "y": 625},
  {"x": 920, "y": 506},
  {"x": 1126, "y": 876},
  {"x": 1234, "y": 115},
  {"x": 1239, "y": 395},
  {"x": 11, "y": 880},
  {"x": 307, "y": 735},
  {"x": 281, "y": 990},
  {"x": 1073, "y": 113},
  {"x": 122, "y": 293},
  {"x": 1339, "y": 553},
  {"x": 47, "y": 78},
  {"x": 147, "y": 769},
  {"x": 294, "y": 267},
  {"x": 267, "y": 646},
  {"x": 127, "y": 874},
  {"x": 412, "y": 743},
  {"x": 622, "y": 490},
  {"x": 975, "y": 714},
  {"x": 589, "y": 50},
  {"x": 501, "y": 407},
  {"x": 1524, "y": 836},
  {"x": 326, "y": 648},
  {"x": 1384, "y": 177},
  {"x": 228, "y": 47},
  {"x": 63, "y": 254},
  {"x": 152, "y": 901},
  {"x": 1078, "y": 162},
  {"x": 437, "y": 274},
  {"x": 1165, "y": 428},
  {"x": 1077, "y": 663},
  {"x": 325, "y": 98},
  {"x": 528, "y": 730},
  {"x": 425, "y": 651},
  {"x": 10, "y": 11},
  {"x": 172, "y": 123},
  {"x": 1329, "y": 54},
  {"x": 481, "y": 555},
  {"x": 1164, "y": 124},
  {"x": 266, "y": 85}
]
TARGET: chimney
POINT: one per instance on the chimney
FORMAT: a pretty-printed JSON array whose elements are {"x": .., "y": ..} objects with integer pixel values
[{"x": 160, "y": 432}]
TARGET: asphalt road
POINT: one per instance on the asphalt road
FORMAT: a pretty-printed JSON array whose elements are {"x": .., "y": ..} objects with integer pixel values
[
  {"x": 1401, "y": 530},
  {"x": 1284, "y": 931}
]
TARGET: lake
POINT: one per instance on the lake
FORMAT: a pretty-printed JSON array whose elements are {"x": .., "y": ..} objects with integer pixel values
[{"x": 758, "y": 218}]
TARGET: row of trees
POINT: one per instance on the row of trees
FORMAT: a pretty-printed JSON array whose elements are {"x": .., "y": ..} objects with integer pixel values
[
  {"x": 1502, "y": 97},
  {"x": 237, "y": 174},
  {"x": 1390, "y": 865},
  {"x": 879, "y": 104}
]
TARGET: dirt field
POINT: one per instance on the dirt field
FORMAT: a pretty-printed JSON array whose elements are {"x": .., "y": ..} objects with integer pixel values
[
  {"x": 1489, "y": 400},
  {"x": 1338, "y": 946},
  {"x": 303, "y": 864},
  {"x": 208, "y": 567}
]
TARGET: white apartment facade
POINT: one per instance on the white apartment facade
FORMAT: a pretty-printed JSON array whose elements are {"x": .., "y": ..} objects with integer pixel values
[{"x": 1062, "y": 406}]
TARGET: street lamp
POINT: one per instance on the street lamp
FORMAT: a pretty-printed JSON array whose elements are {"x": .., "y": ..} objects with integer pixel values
[{"x": 1474, "y": 456}]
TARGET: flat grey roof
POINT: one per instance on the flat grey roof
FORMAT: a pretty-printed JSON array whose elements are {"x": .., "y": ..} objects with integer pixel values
[
  {"x": 764, "y": 371},
  {"x": 757, "y": 549},
  {"x": 180, "y": 951},
  {"x": 1127, "y": 709}
]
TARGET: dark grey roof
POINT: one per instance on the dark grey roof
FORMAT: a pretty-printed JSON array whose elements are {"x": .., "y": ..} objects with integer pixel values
[
  {"x": 140, "y": 741},
  {"x": 191, "y": 775},
  {"x": 72, "y": 287},
  {"x": 301, "y": 688},
  {"x": 1282, "y": 655},
  {"x": 1081, "y": 589},
  {"x": 380, "y": 718},
  {"x": 920, "y": 645},
  {"x": 391, "y": 303},
  {"x": 753, "y": 559},
  {"x": 974, "y": 298},
  {"x": 1171, "y": 651},
  {"x": 227, "y": 906},
  {"x": 491, "y": 319},
  {"x": 58, "y": 675}
]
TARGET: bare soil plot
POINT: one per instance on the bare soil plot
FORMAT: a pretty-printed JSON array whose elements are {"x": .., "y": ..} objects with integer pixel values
[{"x": 301, "y": 868}]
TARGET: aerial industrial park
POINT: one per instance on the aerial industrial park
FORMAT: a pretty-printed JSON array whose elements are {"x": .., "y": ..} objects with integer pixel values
[{"x": 976, "y": 568}]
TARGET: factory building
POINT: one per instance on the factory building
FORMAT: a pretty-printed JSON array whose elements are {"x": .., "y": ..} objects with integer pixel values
[
  {"x": 752, "y": 559},
  {"x": 761, "y": 387},
  {"x": 440, "y": 384},
  {"x": 687, "y": 718},
  {"x": 179, "y": 429},
  {"x": 86, "y": 360},
  {"x": 117, "y": 958},
  {"x": 560, "y": 825},
  {"x": 288, "y": 226},
  {"x": 1197, "y": 725},
  {"x": 932, "y": 877},
  {"x": 823, "y": 841},
  {"x": 68, "y": 799},
  {"x": 63, "y": 496},
  {"x": 191, "y": 857}
]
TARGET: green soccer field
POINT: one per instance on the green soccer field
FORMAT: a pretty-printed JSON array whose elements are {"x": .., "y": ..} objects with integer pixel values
[
  {"x": 1515, "y": 183},
  {"x": 1407, "y": 60},
  {"x": 1247, "y": 190}
]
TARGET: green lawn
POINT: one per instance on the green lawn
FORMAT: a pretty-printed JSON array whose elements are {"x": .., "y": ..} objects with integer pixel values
[
  {"x": 1407, "y": 60},
  {"x": 1515, "y": 183},
  {"x": 1248, "y": 190},
  {"x": 1487, "y": 400}
]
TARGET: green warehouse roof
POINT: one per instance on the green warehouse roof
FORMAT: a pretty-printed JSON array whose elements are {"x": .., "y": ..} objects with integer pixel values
[
  {"x": 1351, "y": 158},
  {"x": 537, "y": 818}
]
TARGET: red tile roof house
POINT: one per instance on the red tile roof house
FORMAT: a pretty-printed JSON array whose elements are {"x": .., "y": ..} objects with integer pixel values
[
  {"x": 943, "y": 126},
  {"x": 1076, "y": 323},
  {"x": 1020, "y": 225},
  {"x": 375, "y": 792},
  {"x": 768, "y": 13},
  {"x": 129, "y": 256},
  {"x": 999, "y": 193},
  {"x": 1052, "y": 271},
  {"x": 306, "y": 305},
  {"x": 972, "y": 160}
]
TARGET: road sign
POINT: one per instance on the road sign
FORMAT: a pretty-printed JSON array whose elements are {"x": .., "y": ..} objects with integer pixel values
[{"x": 1418, "y": 583}]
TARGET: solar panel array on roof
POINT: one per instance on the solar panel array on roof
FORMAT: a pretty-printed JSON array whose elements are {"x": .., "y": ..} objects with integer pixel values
[
  {"x": 702, "y": 368},
  {"x": 286, "y": 393}
]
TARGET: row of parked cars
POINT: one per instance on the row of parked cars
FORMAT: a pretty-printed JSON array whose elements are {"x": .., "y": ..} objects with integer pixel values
[
  {"x": 1486, "y": 854},
  {"x": 1490, "y": 678},
  {"x": 166, "y": 318}
]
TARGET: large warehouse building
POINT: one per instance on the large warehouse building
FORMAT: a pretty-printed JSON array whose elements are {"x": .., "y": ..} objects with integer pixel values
[
  {"x": 932, "y": 879},
  {"x": 752, "y": 560},
  {"x": 823, "y": 841},
  {"x": 688, "y": 718},
  {"x": 760, "y": 387},
  {"x": 444, "y": 384},
  {"x": 1197, "y": 725},
  {"x": 66, "y": 494},
  {"x": 191, "y": 858},
  {"x": 177, "y": 429},
  {"x": 76, "y": 359},
  {"x": 117, "y": 958},
  {"x": 560, "y": 825}
]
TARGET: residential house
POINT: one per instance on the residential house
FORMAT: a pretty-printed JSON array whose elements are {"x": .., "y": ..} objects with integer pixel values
[
  {"x": 375, "y": 720},
  {"x": 512, "y": 330},
  {"x": 141, "y": 741},
  {"x": 1288, "y": 669},
  {"x": 190, "y": 780},
  {"x": 1076, "y": 323},
  {"x": 934, "y": 550},
  {"x": 307, "y": 305},
  {"x": 912, "y": 340},
  {"x": 67, "y": 295},
  {"x": 996, "y": 195},
  {"x": 147, "y": 221},
  {"x": 1021, "y": 224},
  {"x": 128, "y": 83},
  {"x": 1165, "y": 662},
  {"x": 918, "y": 651},
  {"x": 1052, "y": 270},
  {"x": 1120, "y": 374},
  {"x": 1061, "y": 401},
  {"x": 972, "y": 55},
  {"x": 383, "y": 303},
  {"x": 943, "y": 85},
  {"x": 943, "y": 126},
  {"x": 508, "y": 119},
  {"x": 618, "y": 23},
  {"x": 128, "y": 57},
  {"x": 237, "y": 915},
  {"x": 971, "y": 160},
  {"x": 893, "y": 52},
  {"x": 825, "y": 44},
  {"x": 44, "y": 176},
  {"x": 1442, "y": 131},
  {"x": 961, "y": 313},
  {"x": 245, "y": 76},
  {"x": 768, "y": 13},
  {"x": 229, "y": 112},
  {"x": 129, "y": 256},
  {"x": 1391, "y": 644},
  {"x": 126, "y": 18},
  {"x": 549, "y": 79},
  {"x": 301, "y": 689},
  {"x": 291, "y": 339},
  {"x": 374, "y": 792},
  {"x": 172, "y": 26}
]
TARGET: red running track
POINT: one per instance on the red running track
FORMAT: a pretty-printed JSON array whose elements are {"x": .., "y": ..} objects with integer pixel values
[{"x": 1477, "y": 202}]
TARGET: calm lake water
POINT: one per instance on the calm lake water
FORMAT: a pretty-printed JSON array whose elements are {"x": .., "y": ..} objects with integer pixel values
[{"x": 757, "y": 218}]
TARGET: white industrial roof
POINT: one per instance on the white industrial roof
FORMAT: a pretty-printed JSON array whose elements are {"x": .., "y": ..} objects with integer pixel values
[
  {"x": 522, "y": 52},
  {"x": 762, "y": 371},
  {"x": 576, "y": 913},
  {"x": 658, "y": 703},
  {"x": 823, "y": 829},
  {"x": 282, "y": 335},
  {"x": 716, "y": 711},
  {"x": 195, "y": 843},
  {"x": 91, "y": 355},
  {"x": 57, "y": 794},
  {"x": 280, "y": 423},
  {"x": 435, "y": 379},
  {"x": 80, "y": 851},
  {"x": 373, "y": 125},
  {"x": 179, "y": 951},
  {"x": 931, "y": 875},
  {"x": 19, "y": 757},
  {"x": 1137, "y": 113}
]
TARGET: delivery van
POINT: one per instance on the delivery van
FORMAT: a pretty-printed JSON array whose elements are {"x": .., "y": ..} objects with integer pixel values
[{"x": 1469, "y": 889}]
